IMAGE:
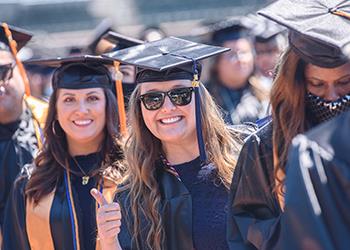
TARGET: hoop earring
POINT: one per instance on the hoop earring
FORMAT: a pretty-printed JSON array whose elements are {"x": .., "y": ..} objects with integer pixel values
[{"x": 53, "y": 128}]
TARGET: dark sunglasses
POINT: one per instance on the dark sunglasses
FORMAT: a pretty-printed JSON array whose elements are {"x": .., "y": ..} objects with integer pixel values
[
  {"x": 6, "y": 71},
  {"x": 155, "y": 100}
]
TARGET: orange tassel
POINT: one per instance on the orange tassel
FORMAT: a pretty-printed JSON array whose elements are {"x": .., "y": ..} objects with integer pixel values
[
  {"x": 13, "y": 47},
  {"x": 340, "y": 13},
  {"x": 120, "y": 98}
]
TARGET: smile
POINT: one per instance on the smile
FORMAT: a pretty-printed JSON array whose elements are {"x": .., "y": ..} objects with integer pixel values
[
  {"x": 82, "y": 122},
  {"x": 171, "y": 120}
]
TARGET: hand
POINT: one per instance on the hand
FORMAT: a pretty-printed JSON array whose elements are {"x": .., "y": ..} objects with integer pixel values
[{"x": 108, "y": 218}]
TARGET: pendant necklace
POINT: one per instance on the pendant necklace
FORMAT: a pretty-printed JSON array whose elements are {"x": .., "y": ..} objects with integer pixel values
[{"x": 85, "y": 178}]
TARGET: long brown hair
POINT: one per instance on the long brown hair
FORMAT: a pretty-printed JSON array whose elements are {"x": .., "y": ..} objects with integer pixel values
[
  {"x": 142, "y": 151},
  {"x": 51, "y": 160},
  {"x": 288, "y": 110}
]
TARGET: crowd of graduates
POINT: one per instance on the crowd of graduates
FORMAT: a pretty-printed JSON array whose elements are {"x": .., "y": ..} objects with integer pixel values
[{"x": 237, "y": 141}]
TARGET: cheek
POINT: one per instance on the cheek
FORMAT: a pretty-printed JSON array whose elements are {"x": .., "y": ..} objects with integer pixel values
[
  {"x": 101, "y": 114},
  {"x": 148, "y": 118}
]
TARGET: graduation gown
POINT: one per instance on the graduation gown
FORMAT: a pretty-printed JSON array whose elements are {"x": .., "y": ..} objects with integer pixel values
[
  {"x": 19, "y": 142},
  {"x": 175, "y": 210},
  {"x": 253, "y": 205},
  {"x": 317, "y": 197},
  {"x": 56, "y": 222}
]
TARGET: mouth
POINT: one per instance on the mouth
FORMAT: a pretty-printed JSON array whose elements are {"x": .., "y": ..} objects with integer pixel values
[
  {"x": 82, "y": 123},
  {"x": 171, "y": 120}
]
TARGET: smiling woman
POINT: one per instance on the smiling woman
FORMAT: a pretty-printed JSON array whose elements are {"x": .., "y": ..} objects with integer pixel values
[
  {"x": 51, "y": 198},
  {"x": 180, "y": 154}
]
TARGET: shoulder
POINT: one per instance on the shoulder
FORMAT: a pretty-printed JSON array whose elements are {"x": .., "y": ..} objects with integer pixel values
[{"x": 262, "y": 137}]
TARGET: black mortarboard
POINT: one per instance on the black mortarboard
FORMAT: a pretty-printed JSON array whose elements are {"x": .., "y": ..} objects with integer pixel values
[
  {"x": 318, "y": 28},
  {"x": 19, "y": 35},
  {"x": 230, "y": 29},
  {"x": 121, "y": 41},
  {"x": 167, "y": 59},
  {"x": 81, "y": 72},
  {"x": 102, "y": 29},
  {"x": 78, "y": 72},
  {"x": 264, "y": 30}
]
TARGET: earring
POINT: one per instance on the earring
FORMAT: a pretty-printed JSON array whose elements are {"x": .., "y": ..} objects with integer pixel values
[{"x": 53, "y": 128}]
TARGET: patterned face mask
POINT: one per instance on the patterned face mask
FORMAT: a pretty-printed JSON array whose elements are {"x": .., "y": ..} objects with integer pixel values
[{"x": 322, "y": 110}]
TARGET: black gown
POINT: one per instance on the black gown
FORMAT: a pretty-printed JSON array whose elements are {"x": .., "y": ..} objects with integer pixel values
[
  {"x": 253, "y": 204},
  {"x": 56, "y": 223},
  {"x": 18, "y": 145},
  {"x": 193, "y": 210},
  {"x": 317, "y": 200}
]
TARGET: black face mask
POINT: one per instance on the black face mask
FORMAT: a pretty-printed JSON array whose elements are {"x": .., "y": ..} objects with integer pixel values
[{"x": 321, "y": 110}]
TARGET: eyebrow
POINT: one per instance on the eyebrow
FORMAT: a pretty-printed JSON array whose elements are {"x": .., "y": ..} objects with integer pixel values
[
  {"x": 174, "y": 87},
  {"x": 71, "y": 94},
  {"x": 339, "y": 79}
]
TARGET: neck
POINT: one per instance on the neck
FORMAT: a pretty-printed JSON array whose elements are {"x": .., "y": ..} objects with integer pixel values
[
  {"x": 82, "y": 147},
  {"x": 180, "y": 153}
]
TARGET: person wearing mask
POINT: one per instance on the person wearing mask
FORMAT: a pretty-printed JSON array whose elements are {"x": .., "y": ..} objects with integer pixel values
[{"x": 311, "y": 86}]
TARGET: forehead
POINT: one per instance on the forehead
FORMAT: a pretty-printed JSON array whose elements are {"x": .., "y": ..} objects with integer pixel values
[
  {"x": 163, "y": 86},
  {"x": 6, "y": 57},
  {"x": 77, "y": 92},
  {"x": 327, "y": 73},
  {"x": 241, "y": 43}
]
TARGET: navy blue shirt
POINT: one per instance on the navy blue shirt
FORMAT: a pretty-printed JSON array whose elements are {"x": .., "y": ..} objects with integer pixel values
[{"x": 209, "y": 204}]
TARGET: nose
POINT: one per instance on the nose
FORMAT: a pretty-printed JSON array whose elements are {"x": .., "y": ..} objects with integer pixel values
[
  {"x": 331, "y": 93},
  {"x": 82, "y": 107},
  {"x": 168, "y": 105}
]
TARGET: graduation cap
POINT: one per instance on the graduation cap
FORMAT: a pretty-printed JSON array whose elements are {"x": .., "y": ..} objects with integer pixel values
[
  {"x": 81, "y": 72},
  {"x": 121, "y": 41},
  {"x": 230, "y": 29},
  {"x": 264, "y": 30},
  {"x": 20, "y": 36},
  {"x": 13, "y": 39},
  {"x": 318, "y": 29},
  {"x": 78, "y": 72},
  {"x": 102, "y": 28},
  {"x": 167, "y": 59}
]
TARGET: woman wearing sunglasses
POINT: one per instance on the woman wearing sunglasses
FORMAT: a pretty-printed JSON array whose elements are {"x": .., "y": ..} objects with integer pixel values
[
  {"x": 312, "y": 85},
  {"x": 171, "y": 198},
  {"x": 50, "y": 206}
]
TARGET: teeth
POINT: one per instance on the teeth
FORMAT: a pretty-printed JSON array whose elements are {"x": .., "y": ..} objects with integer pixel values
[
  {"x": 82, "y": 122},
  {"x": 171, "y": 120}
]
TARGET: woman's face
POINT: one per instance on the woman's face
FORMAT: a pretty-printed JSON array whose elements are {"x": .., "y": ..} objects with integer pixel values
[
  {"x": 170, "y": 123},
  {"x": 82, "y": 114},
  {"x": 234, "y": 67},
  {"x": 328, "y": 83}
]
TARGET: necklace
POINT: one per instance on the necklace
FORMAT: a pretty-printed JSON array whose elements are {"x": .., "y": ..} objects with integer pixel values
[{"x": 85, "y": 178}]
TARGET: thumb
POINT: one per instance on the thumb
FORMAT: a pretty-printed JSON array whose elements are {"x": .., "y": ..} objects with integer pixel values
[{"x": 98, "y": 196}]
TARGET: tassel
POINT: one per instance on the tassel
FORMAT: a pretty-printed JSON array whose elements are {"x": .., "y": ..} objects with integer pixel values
[
  {"x": 13, "y": 47},
  {"x": 120, "y": 98},
  {"x": 341, "y": 13},
  {"x": 201, "y": 145}
]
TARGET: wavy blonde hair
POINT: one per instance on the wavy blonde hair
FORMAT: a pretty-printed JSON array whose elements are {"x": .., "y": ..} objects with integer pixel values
[
  {"x": 288, "y": 111},
  {"x": 142, "y": 151}
]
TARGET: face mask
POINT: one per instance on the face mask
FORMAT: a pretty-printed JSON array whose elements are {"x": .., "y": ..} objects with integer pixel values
[{"x": 322, "y": 110}]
